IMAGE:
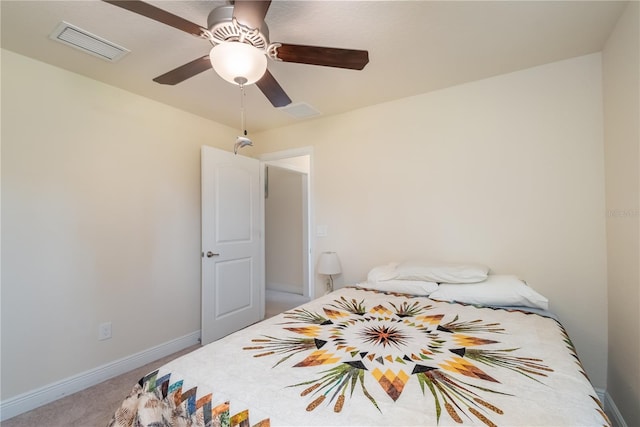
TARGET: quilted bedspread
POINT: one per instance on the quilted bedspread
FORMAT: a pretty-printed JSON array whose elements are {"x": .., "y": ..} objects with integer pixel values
[{"x": 362, "y": 357}]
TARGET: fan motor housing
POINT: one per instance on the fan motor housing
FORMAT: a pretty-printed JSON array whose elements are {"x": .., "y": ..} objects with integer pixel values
[{"x": 220, "y": 24}]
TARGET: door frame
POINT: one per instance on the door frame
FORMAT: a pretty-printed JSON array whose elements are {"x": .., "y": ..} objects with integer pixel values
[{"x": 265, "y": 159}]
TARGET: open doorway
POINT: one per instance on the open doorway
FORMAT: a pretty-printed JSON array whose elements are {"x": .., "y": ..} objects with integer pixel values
[{"x": 288, "y": 281}]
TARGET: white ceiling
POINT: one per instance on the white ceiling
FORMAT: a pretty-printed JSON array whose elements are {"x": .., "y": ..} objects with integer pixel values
[{"x": 414, "y": 47}]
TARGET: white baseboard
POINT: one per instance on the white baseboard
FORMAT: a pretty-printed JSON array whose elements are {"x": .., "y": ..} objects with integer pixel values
[
  {"x": 611, "y": 409},
  {"x": 30, "y": 400}
]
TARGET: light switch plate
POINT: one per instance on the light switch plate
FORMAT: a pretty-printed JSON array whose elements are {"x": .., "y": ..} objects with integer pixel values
[{"x": 321, "y": 231}]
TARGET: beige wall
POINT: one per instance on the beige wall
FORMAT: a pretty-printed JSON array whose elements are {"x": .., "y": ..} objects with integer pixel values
[
  {"x": 621, "y": 71},
  {"x": 100, "y": 222},
  {"x": 506, "y": 171}
]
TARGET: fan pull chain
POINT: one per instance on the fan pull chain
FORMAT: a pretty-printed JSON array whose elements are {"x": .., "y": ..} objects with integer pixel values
[
  {"x": 242, "y": 141},
  {"x": 243, "y": 126}
]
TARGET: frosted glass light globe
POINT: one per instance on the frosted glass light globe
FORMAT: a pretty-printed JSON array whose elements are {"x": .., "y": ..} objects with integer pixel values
[{"x": 238, "y": 63}]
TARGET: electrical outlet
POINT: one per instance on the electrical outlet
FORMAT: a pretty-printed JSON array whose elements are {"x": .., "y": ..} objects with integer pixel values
[{"x": 104, "y": 331}]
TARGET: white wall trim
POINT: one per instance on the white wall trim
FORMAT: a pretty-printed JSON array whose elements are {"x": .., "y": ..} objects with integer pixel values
[
  {"x": 32, "y": 399},
  {"x": 611, "y": 409},
  {"x": 284, "y": 154}
]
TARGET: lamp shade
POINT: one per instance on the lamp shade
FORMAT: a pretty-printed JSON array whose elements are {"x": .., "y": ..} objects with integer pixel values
[
  {"x": 329, "y": 264},
  {"x": 238, "y": 63}
]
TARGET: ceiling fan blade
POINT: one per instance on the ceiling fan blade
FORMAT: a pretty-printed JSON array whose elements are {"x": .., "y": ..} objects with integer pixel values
[
  {"x": 326, "y": 56},
  {"x": 251, "y": 13},
  {"x": 185, "y": 71},
  {"x": 157, "y": 14},
  {"x": 272, "y": 90}
]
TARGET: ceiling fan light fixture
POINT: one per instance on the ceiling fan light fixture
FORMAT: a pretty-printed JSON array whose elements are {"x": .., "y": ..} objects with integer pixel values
[{"x": 238, "y": 63}]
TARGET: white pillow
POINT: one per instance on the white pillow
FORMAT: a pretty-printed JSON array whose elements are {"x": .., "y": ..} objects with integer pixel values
[
  {"x": 412, "y": 287},
  {"x": 382, "y": 272},
  {"x": 497, "y": 290},
  {"x": 441, "y": 272}
]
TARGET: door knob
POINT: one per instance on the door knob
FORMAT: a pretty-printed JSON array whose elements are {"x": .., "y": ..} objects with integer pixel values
[{"x": 211, "y": 254}]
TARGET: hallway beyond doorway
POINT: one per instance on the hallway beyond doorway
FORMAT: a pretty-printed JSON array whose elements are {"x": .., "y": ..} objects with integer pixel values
[{"x": 277, "y": 302}]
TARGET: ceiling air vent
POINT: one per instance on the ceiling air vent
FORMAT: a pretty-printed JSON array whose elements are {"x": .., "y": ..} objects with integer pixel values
[
  {"x": 87, "y": 42},
  {"x": 300, "y": 110}
]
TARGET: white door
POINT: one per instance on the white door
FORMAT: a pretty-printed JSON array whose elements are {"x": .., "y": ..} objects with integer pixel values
[{"x": 232, "y": 248}]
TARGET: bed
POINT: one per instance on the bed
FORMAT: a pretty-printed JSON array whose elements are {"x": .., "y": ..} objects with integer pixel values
[{"x": 364, "y": 355}]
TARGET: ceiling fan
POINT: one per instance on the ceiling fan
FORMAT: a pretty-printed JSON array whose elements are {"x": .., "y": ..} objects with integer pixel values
[{"x": 239, "y": 31}]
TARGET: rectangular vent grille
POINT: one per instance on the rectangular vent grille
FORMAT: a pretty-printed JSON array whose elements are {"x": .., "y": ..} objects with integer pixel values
[
  {"x": 300, "y": 110},
  {"x": 87, "y": 42}
]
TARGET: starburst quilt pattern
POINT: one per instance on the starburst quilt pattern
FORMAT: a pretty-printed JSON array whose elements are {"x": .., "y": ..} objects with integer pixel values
[{"x": 392, "y": 343}]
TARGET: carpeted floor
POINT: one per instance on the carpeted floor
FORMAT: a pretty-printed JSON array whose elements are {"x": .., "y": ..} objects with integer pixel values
[
  {"x": 276, "y": 302},
  {"x": 94, "y": 406},
  {"x": 91, "y": 407}
]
